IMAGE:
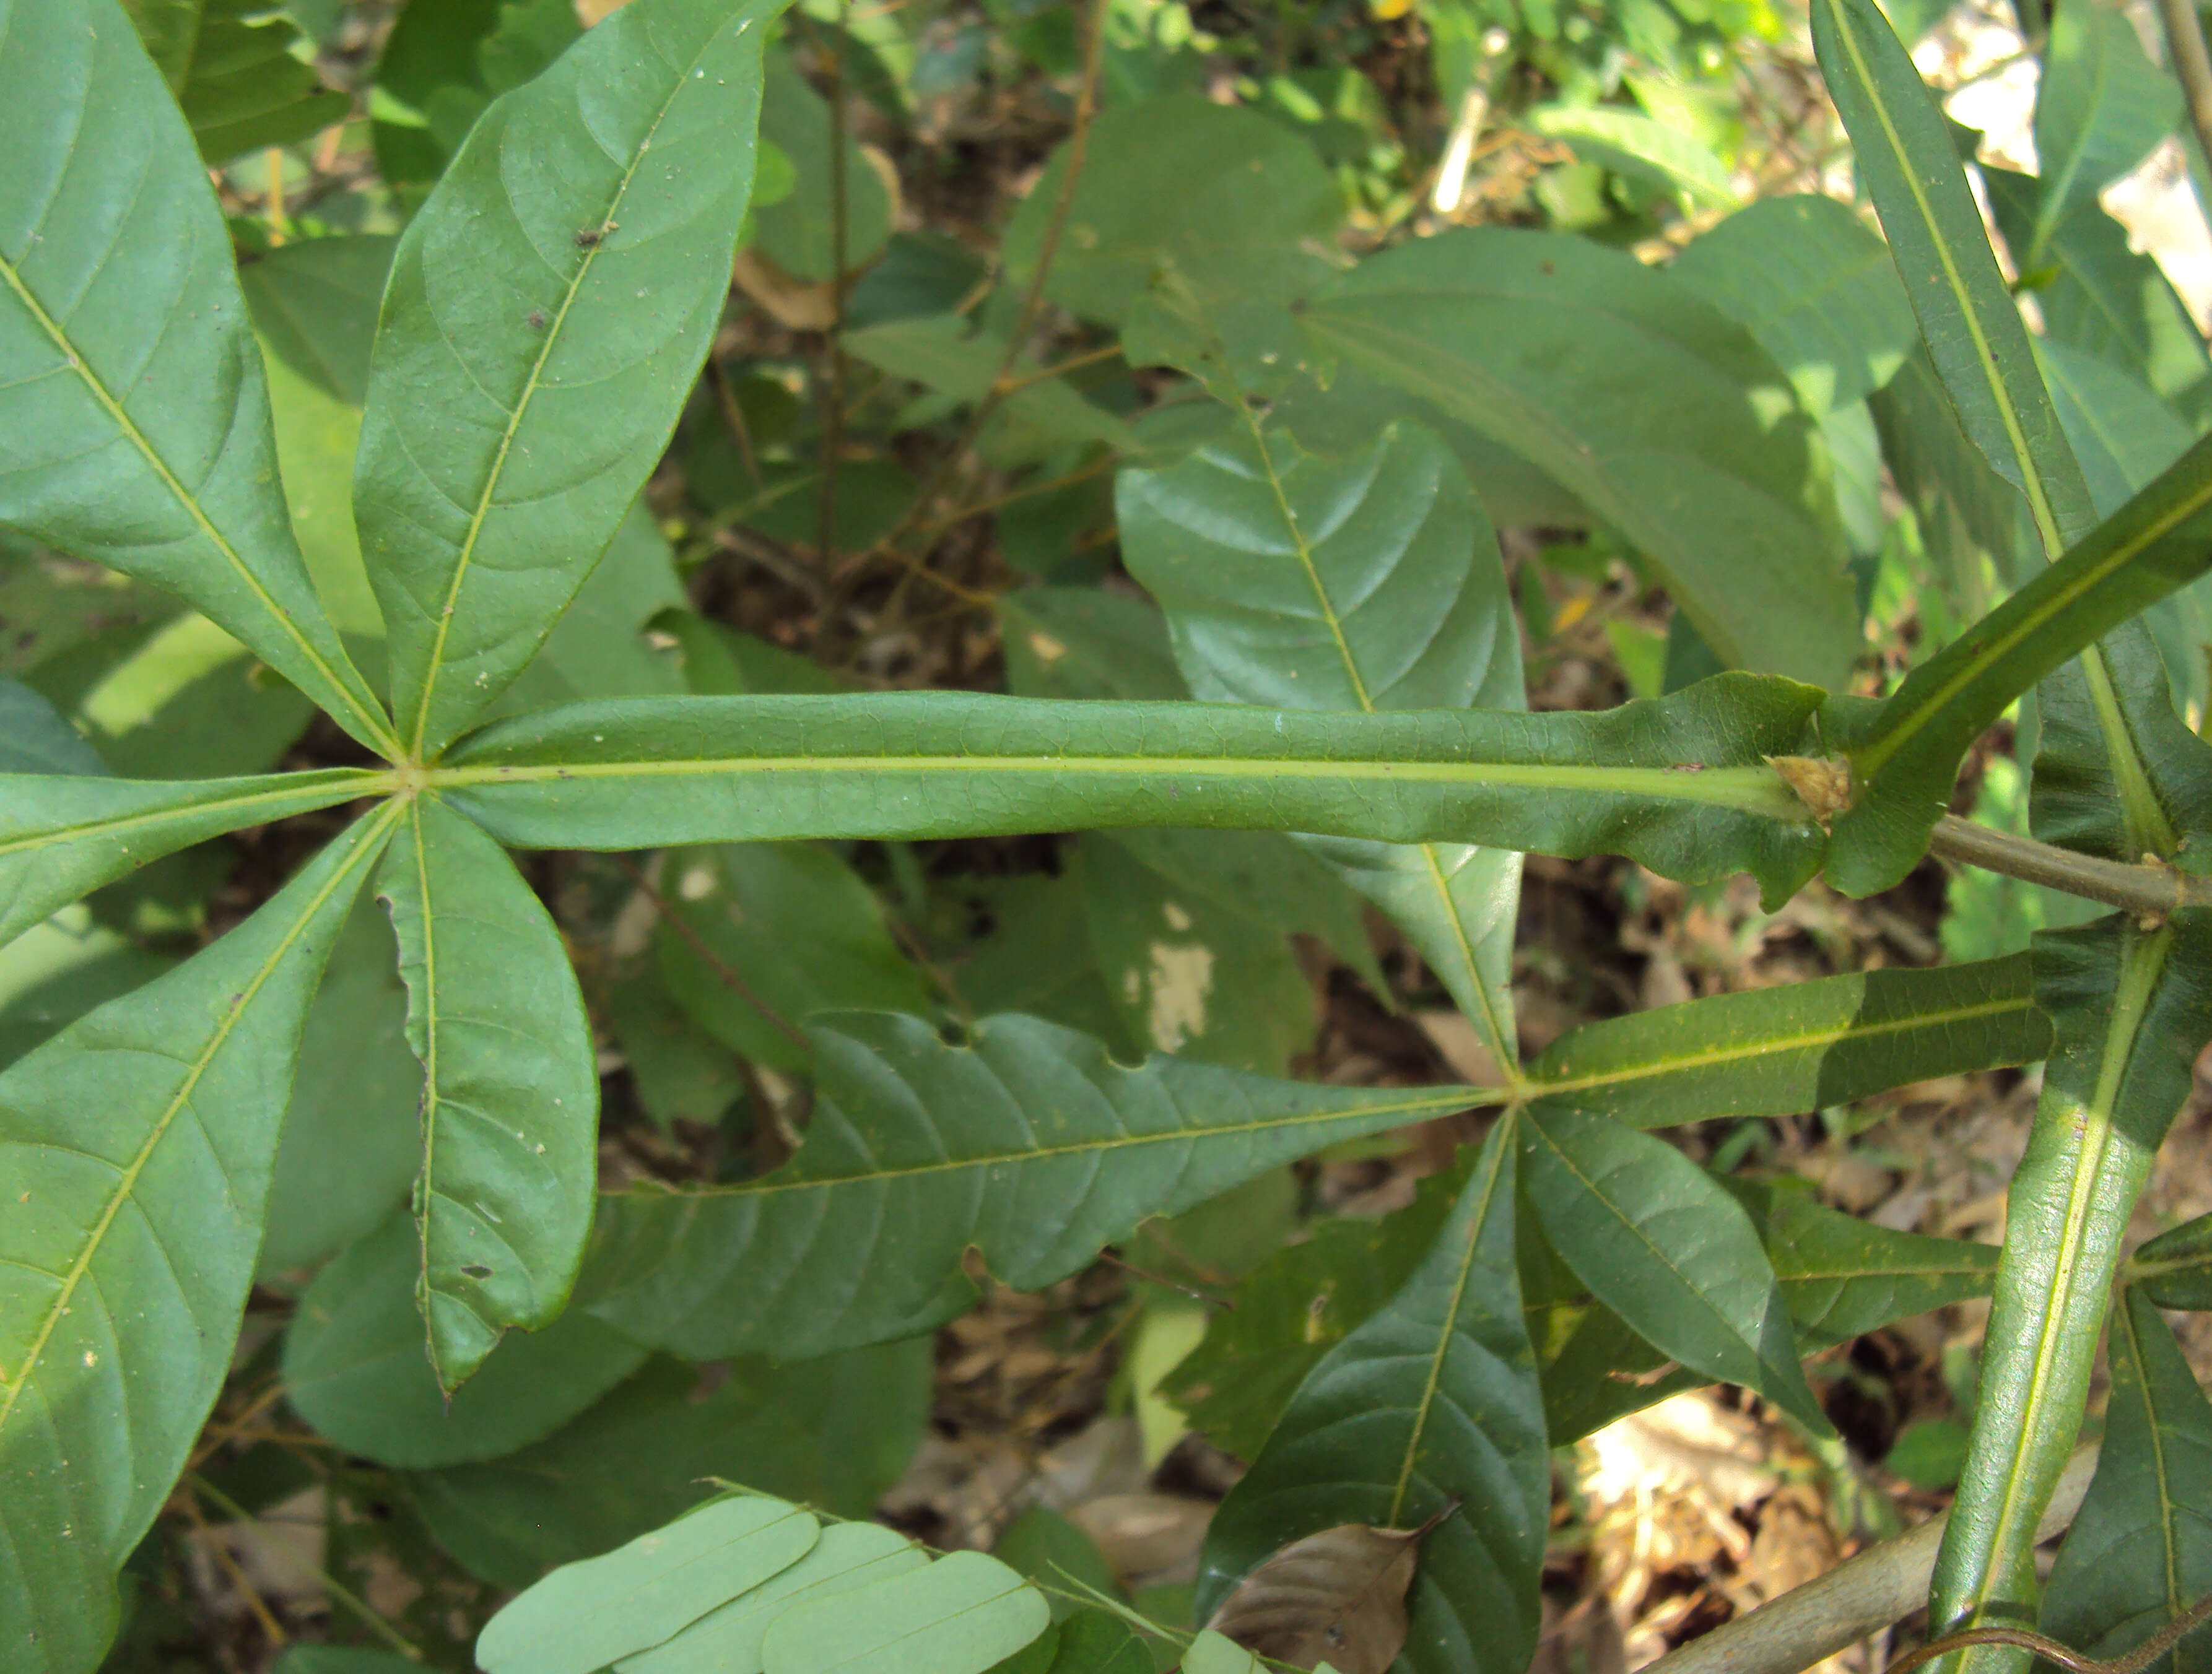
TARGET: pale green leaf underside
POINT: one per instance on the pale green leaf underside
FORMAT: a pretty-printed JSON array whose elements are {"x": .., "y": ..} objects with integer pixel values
[
  {"x": 547, "y": 313},
  {"x": 134, "y": 420},
  {"x": 511, "y": 1094},
  {"x": 62, "y": 837},
  {"x": 627, "y": 774},
  {"x": 129, "y": 1245}
]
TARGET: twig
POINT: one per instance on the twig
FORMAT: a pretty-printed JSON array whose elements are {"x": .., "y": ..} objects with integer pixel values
[
  {"x": 2151, "y": 889},
  {"x": 2127, "y": 1662},
  {"x": 833, "y": 436},
  {"x": 230, "y": 1566},
  {"x": 1078, "y": 146},
  {"x": 197, "y": 1485},
  {"x": 2185, "y": 45},
  {"x": 1875, "y": 1590},
  {"x": 734, "y": 417}
]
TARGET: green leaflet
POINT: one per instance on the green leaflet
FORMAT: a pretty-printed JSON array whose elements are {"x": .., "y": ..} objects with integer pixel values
[
  {"x": 1434, "y": 1398},
  {"x": 62, "y": 838},
  {"x": 1534, "y": 340},
  {"x": 2129, "y": 1007},
  {"x": 1902, "y": 768},
  {"x": 1370, "y": 582},
  {"x": 1030, "y": 1144},
  {"x": 1773, "y": 1052},
  {"x": 354, "y": 1366},
  {"x": 2175, "y": 1270},
  {"x": 625, "y": 774},
  {"x": 1967, "y": 318},
  {"x": 2101, "y": 107},
  {"x": 512, "y": 418},
  {"x": 1808, "y": 279},
  {"x": 131, "y": 392},
  {"x": 960, "y": 1616},
  {"x": 586, "y": 1615},
  {"x": 1842, "y": 1276},
  {"x": 1660, "y": 1242},
  {"x": 511, "y": 1095},
  {"x": 2140, "y": 1551},
  {"x": 230, "y": 64},
  {"x": 36, "y": 738},
  {"x": 131, "y": 1243}
]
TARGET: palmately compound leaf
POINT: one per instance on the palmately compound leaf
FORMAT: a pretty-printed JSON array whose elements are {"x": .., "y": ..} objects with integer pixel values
[
  {"x": 2130, "y": 1007},
  {"x": 230, "y": 64},
  {"x": 134, "y": 417},
  {"x": 1536, "y": 339},
  {"x": 1682, "y": 784},
  {"x": 1659, "y": 1240},
  {"x": 1370, "y": 583},
  {"x": 354, "y": 1366},
  {"x": 729, "y": 1640},
  {"x": 586, "y": 1615},
  {"x": 138, "y": 1145},
  {"x": 1802, "y": 1046},
  {"x": 1029, "y": 1144},
  {"x": 1433, "y": 1400},
  {"x": 511, "y": 1088},
  {"x": 548, "y": 310},
  {"x": 2140, "y": 1551},
  {"x": 960, "y": 1616},
  {"x": 62, "y": 837}
]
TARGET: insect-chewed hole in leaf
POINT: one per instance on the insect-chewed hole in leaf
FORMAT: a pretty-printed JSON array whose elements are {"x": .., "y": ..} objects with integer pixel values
[
  {"x": 476, "y": 1269},
  {"x": 1337, "y": 1597}
]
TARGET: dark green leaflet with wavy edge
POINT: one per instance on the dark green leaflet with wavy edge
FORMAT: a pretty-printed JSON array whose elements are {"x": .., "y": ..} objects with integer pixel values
[
  {"x": 1662, "y": 1243},
  {"x": 1537, "y": 340},
  {"x": 1029, "y": 1144},
  {"x": 1433, "y": 1399},
  {"x": 133, "y": 403},
  {"x": 632, "y": 773},
  {"x": 2131, "y": 1007},
  {"x": 62, "y": 837},
  {"x": 2140, "y": 1551},
  {"x": 130, "y": 1242},
  {"x": 1774, "y": 1052},
  {"x": 1370, "y": 582},
  {"x": 511, "y": 1095},
  {"x": 540, "y": 329}
]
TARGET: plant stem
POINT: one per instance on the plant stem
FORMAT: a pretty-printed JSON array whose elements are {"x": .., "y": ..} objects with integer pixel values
[
  {"x": 1875, "y": 1590},
  {"x": 2151, "y": 889},
  {"x": 196, "y": 1483},
  {"x": 833, "y": 433},
  {"x": 2184, "y": 50}
]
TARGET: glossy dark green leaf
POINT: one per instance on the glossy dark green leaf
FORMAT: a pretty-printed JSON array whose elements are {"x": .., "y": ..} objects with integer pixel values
[
  {"x": 230, "y": 64},
  {"x": 1535, "y": 338},
  {"x": 2140, "y": 1551},
  {"x": 918, "y": 1149},
  {"x": 1801, "y": 1046},
  {"x": 1842, "y": 1276},
  {"x": 834, "y": 1432},
  {"x": 512, "y": 418},
  {"x": 621, "y": 775},
  {"x": 1658, "y": 1239},
  {"x": 1434, "y": 1398},
  {"x": 511, "y": 1095},
  {"x": 1815, "y": 286},
  {"x": 2101, "y": 106},
  {"x": 35, "y": 739},
  {"x": 129, "y": 1246},
  {"x": 132, "y": 392},
  {"x": 356, "y": 1368},
  {"x": 586, "y": 1615},
  {"x": 2130, "y": 1008},
  {"x": 1369, "y": 582},
  {"x": 761, "y": 937},
  {"x": 351, "y": 1132}
]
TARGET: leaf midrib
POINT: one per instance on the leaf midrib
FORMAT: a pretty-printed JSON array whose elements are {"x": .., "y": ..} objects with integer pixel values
[
  {"x": 367, "y": 784},
  {"x": 127, "y": 1180},
  {"x": 466, "y": 555},
  {"x": 378, "y": 735}
]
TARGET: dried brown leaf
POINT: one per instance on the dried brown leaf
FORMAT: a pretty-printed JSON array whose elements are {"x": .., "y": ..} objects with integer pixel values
[{"x": 1337, "y": 1597}]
